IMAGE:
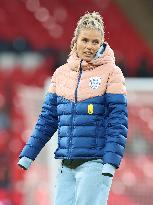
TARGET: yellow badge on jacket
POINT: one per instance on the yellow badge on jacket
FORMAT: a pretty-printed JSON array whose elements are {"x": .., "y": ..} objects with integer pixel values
[{"x": 90, "y": 109}]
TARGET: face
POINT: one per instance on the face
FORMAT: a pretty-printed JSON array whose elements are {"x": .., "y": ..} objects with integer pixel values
[{"x": 88, "y": 43}]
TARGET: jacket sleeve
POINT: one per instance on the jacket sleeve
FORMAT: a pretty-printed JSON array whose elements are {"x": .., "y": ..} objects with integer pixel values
[
  {"x": 117, "y": 118},
  {"x": 45, "y": 127}
]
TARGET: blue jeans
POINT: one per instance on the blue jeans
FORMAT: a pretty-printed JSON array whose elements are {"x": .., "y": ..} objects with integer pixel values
[{"x": 84, "y": 185}]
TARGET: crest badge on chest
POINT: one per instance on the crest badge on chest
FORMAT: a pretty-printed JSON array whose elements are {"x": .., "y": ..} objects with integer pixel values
[{"x": 94, "y": 82}]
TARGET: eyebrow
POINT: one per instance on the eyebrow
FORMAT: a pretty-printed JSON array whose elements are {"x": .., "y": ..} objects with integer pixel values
[{"x": 92, "y": 40}]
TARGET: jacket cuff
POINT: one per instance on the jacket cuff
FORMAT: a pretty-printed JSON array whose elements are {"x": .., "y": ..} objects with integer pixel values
[
  {"x": 108, "y": 168},
  {"x": 25, "y": 162}
]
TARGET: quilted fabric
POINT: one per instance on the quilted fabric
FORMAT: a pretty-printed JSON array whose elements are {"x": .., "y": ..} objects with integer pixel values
[{"x": 87, "y": 103}]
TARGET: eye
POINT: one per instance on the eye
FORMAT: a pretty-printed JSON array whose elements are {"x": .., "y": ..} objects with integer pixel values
[
  {"x": 85, "y": 40},
  {"x": 95, "y": 42}
]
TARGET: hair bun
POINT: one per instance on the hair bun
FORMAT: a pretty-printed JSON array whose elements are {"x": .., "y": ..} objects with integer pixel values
[{"x": 89, "y": 17}]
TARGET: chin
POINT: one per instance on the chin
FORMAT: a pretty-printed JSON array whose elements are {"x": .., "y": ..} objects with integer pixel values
[{"x": 87, "y": 59}]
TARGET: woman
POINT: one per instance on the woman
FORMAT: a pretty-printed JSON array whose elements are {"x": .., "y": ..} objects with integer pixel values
[{"x": 86, "y": 102}]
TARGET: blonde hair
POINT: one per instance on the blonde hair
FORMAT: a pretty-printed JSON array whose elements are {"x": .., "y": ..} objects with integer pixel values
[{"x": 89, "y": 20}]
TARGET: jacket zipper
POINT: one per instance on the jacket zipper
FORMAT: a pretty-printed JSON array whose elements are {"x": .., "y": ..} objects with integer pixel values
[
  {"x": 79, "y": 77},
  {"x": 73, "y": 106}
]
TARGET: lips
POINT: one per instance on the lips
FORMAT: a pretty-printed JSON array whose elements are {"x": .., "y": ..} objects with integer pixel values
[{"x": 88, "y": 53}]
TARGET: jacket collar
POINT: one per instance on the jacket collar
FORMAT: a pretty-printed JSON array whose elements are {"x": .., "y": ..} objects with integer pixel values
[{"x": 107, "y": 57}]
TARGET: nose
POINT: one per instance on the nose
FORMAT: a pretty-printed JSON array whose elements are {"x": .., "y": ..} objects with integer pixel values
[{"x": 89, "y": 46}]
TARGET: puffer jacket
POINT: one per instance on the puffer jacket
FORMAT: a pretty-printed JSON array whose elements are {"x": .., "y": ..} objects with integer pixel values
[{"x": 87, "y": 103}]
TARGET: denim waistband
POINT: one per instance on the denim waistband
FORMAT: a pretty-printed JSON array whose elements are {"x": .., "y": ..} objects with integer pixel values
[{"x": 74, "y": 163}]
